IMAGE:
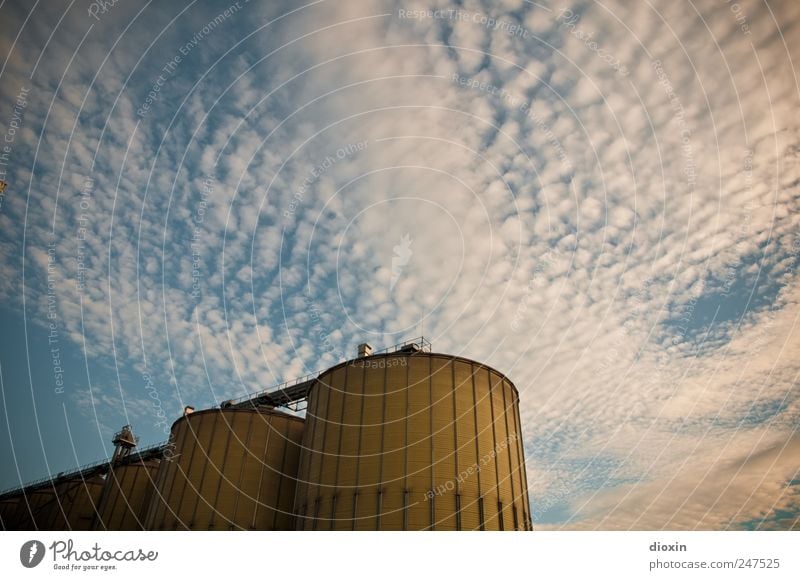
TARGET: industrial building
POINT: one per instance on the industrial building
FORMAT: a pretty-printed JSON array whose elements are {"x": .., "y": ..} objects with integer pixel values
[{"x": 401, "y": 439}]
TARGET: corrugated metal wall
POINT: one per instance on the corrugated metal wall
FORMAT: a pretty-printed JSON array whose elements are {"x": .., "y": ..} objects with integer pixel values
[
  {"x": 8, "y": 512},
  {"x": 23, "y": 516},
  {"x": 400, "y": 441},
  {"x": 69, "y": 504},
  {"x": 412, "y": 442},
  {"x": 231, "y": 469}
]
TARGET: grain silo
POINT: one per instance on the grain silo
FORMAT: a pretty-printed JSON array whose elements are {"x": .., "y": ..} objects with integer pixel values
[
  {"x": 129, "y": 484},
  {"x": 128, "y": 489},
  {"x": 412, "y": 440},
  {"x": 228, "y": 469}
]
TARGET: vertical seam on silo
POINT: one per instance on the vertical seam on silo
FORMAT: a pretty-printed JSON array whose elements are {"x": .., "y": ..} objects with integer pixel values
[
  {"x": 238, "y": 488},
  {"x": 478, "y": 457},
  {"x": 160, "y": 508},
  {"x": 64, "y": 513},
  {"x": 405, "y": 446},
  {"x": 152, "y": 506},
  {"x": 175, "y": 471},
  {"x": 336, "y": 481},
  {"x": 453, "y": 387},
  {"x": 114, "y": 498},
  {"x": 132, "y": 492},
  {"x": 283, "y": 477},
  {"x": 514, "y": 513},
  {"x": 74, "y": 505},
  {"x": 70, "y": 507},
  {"x": 126, "y": 495},
  {"x": 304, "y": 467},
  {"x": 430, "y": 441},
  {"x": 520, "y": 462},
  {"x": 102, "y": 502},
  {"x": 147, "y": 494},
  {"x": 322, "y": 461},
  {"x": 526, "y": 504},
  {"x": 263, "y": 460},
  {"x": 358, "y": 452},
  {"x": 508, "y": 453},
  {"x": 188, "y": 469}
]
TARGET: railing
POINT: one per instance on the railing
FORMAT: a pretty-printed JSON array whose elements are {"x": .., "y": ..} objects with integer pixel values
[{"x": 420, "y": 342}]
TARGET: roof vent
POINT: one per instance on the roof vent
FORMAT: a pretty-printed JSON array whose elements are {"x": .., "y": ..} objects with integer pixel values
[
  {"x": 413, "y": 347},
  {"x": 364, "y": 349}
]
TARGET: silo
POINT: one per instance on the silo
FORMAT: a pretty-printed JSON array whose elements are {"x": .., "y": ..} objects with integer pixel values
[
  {"x": 412, "y": 441},
  {"x": 75, "y": 504},
  {"x": 8, "y": 511},
  {"x": 228, "y": 469},
  {"x": 128, "y": 488}
]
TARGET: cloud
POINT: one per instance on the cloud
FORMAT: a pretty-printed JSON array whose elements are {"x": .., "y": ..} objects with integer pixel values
[{"x": 623, "y": 243}]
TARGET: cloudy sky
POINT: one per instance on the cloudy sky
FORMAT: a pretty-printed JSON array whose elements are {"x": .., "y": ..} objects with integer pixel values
[{"x": 598, "y": 198}]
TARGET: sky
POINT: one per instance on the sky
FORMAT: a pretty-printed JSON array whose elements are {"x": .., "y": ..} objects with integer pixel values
[{"x": 599, "y": 199}]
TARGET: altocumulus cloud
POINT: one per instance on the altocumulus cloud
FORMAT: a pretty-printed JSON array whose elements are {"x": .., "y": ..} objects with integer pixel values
[{"x": 602, "y": 200}]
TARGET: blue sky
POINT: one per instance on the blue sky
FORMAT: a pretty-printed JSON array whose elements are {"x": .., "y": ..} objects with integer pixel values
[{"x": 205, "y": 199}]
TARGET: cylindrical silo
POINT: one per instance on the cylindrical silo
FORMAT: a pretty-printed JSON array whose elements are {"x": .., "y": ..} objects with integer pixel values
[
  {"x": 228, "y": 469},
  {"x": 128, "y": 488},
  {"x": 10, "y": 511},
  {"x": 418, "y": 441}
]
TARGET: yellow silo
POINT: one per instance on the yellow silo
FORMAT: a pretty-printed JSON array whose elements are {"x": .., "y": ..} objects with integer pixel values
[
  {"x": 74, "y": 504},
  {"x": 128, "y": 489},
  {"x": 412, "y": 441},
  {"x": 228, "y": 469}
]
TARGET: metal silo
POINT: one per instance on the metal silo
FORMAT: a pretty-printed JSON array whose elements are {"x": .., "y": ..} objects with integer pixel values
[
  {"x": 412, "y": 441},
  {"x": 229, "y": 469},
  {"x": 8, "y": 511},
  {"x": 128, "y": 489}
]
